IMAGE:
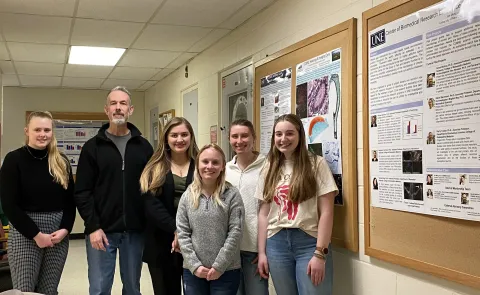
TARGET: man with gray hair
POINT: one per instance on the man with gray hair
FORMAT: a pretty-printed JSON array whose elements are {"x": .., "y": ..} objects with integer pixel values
[{"x": 107, "y": 194}]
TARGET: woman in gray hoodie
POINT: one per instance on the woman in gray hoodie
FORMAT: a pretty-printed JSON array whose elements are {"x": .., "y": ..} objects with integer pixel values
[{"x": 210, "y": 221}]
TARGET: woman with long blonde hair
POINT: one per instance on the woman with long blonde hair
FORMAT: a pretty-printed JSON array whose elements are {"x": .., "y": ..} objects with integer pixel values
[
  {"x": 210, "y": 225},
  {"x": 164, "y": 179},
  {"x": 36, "y": 185},
  {"x": 295, "y": 219}
]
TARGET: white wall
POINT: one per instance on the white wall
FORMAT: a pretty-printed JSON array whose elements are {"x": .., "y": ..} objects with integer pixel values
[
  {"x": 17, "y": 101},
  {"x": 285, "y": 23}
]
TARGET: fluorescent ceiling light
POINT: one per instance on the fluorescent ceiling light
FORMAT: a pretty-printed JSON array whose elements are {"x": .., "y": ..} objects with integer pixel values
[{"x": 98, "y": 56}]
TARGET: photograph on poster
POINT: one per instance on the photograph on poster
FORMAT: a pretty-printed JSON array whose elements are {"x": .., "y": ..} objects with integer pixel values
[
  {"x": 374, "y": 156},
  {"x": 316, "y": 149},
  {"x": 431, "y": 137},
  {"x": 412, "y": 162},
  {"x": 301, "y": 101},
  {"x": 317, "y": 96},
  {"x": 430, "y": 193},
  {"x": 373, "y": 121},
  {"x": 429, "y": 179},
  {"x": 238, "y": 105},
  {"x": 431, "y": 103},
  {"x": 375, "y": 183},
  {"x": 463, "y": 179},
  {"x": 413, "y": 191},
  {"x": 464, "y": 199},
  {"x": 430, "y": 80}
]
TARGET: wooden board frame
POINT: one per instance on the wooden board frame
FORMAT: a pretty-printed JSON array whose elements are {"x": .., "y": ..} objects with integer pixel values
[
  {"x": 439, "y": 226},
  {"x": 343, "y": 35},
  {"x": 82, "y": 116}
]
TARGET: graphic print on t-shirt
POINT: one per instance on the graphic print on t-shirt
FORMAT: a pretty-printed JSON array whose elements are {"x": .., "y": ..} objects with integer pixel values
[{"x": 281, "y": 199}]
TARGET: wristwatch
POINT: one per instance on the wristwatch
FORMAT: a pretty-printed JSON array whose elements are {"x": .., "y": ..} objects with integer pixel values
[{"x": 322, "y": 250}]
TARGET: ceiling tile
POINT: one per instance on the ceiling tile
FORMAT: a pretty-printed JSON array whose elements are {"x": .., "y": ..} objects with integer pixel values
[
  {"x": 76, "y": 82},
  {"x": 123, "y": 10},
  {"x": 172, "y": 38},
  {"x": 37, "y": 52},
  {"x": 104, "y": 33},
  {"x": 148, "y": 58},
  {"x": 210, "y": 39},
  {"x": 181, "y": 60},
  {"x": 199, "y": 13},
  {"x": 245, "y": 13},
  {"x": 35, "y": 29},
  {"x": 87, "y": 71},
  {"x": 130, "y": 84},
  {"x": 163, "y": 73},
  {"x": 133, "y": 73},
  {"x": 3, "y": 52},
  {"x": 45, "y": 81},
  {"x": 10, "y": 80},
  {"x": 42, "y": 69},
  {"x": 147, "y": 85},
  {"x": 7, "y": 67},
  {"x": 45, "y": 7}
]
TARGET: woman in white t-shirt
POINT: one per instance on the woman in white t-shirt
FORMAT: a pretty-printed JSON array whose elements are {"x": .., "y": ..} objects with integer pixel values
[
  {"x": 295, "y": 219},
  {"x": 243, "y": 172}
]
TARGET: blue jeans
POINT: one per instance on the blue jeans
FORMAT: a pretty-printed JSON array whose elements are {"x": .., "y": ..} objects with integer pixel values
[
  {"x": 288, "y": 252},
  {"x": 226, "y": 284},
  {"x": 101, "y": 264},
  {"x": 251, "y": 283}
]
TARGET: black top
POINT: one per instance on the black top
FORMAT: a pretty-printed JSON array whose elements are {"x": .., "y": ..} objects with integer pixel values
[
  {"x": 161, "y": 214},
  {"x": 107, "y": 191},
  {"x": 27, "y": 186}
]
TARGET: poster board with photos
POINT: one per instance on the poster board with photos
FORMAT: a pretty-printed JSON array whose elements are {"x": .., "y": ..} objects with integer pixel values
[
  {"x": 316, "y": 79},
  {"x": 420, "y": 79},
  {"x": 73, "y": 130},
  {"x": 163, "y": 119}
]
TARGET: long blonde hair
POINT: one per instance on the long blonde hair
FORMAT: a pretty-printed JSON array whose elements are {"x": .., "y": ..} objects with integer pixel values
[
  {"x": 196, "y": 186},
  {"x": 154, "y": 173},
  {"x": 303, "y": 183},
  {"x": 58, "y": 165}
]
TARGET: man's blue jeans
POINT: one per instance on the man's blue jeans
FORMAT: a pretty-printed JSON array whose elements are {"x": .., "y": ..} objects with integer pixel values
[
  {"x": 250, "y": 281},
  {"x": 288, "y": 252},
  {"x": 101, "y": 264}
]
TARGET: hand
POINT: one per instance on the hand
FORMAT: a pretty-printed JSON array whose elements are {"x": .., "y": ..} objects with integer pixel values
[
  {"x": 202, "y": 272},
  {"x": 255, "y": 261},
  {"x": 263, "y": 266},
  {"x": 316, "y": 270},
  {"x": 59, "y": 235},
  {"x": 213, "y": 274},
  {"x": 43, "y": 240},
  {"x": 98, "y": 239},
  {"x": 175, "y": 245}
]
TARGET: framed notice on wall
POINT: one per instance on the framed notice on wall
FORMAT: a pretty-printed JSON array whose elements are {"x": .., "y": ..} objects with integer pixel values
[{"x": 421, "y": 108}]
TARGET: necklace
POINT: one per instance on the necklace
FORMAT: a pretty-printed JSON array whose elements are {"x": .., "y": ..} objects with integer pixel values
[
  {"x": 34, "y": 156},
  {"x": 180, "y": 168}
]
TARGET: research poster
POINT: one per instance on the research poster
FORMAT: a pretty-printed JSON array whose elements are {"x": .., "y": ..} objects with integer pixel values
[
  {"x": 72, "y": 135},
  {"x": 318, "y": 101},
  {"x": 275, "y": 100},
  {"x": 424, "y": 112}
]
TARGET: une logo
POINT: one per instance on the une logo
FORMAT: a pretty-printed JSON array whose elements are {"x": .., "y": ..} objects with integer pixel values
[{"x": 377, "y": 38}]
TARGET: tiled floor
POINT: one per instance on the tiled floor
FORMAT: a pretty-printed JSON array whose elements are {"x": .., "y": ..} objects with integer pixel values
[{"x": 75, "y": 276}]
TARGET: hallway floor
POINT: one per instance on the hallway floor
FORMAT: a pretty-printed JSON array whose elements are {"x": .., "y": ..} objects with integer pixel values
[{"x": 75, "y": 275}]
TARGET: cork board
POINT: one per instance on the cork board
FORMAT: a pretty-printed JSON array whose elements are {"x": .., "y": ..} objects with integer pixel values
[
  {"x": 343, "y": 36},
  {"x": 444, "y": 247}
]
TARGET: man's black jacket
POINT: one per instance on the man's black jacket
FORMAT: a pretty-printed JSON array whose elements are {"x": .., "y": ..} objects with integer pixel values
[{"x": 107, "y": 190}]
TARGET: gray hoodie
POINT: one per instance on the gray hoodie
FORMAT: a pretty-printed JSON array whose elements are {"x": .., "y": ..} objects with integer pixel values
[{"x": 210, "y": 235}]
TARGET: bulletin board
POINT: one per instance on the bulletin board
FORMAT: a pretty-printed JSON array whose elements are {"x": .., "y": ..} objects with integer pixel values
[
  {"x": 73, "y": 129},
  {"x": 316, "y": 79},
  {"x": 438, "y": 245}
]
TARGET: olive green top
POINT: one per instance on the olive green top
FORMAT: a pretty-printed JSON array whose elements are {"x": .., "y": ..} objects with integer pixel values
[{"x": 179, "y": 188}]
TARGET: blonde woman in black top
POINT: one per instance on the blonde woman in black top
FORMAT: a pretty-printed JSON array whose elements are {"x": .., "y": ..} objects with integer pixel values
[{"x": 36, "y": 187}]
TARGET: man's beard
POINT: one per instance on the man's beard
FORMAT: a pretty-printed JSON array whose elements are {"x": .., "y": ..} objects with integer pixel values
[{"x": 119, "y": 121}]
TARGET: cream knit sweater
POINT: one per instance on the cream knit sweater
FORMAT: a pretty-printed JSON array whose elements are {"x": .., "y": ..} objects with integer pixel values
[{"x": 246, "y": 182}]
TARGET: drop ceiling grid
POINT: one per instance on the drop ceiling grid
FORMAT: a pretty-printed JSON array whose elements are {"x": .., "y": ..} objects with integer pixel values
[{"x": 159, "y": 36}]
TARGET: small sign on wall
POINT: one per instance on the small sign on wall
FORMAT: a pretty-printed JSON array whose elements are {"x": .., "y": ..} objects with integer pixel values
[{"x": 213, "y": 134}]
